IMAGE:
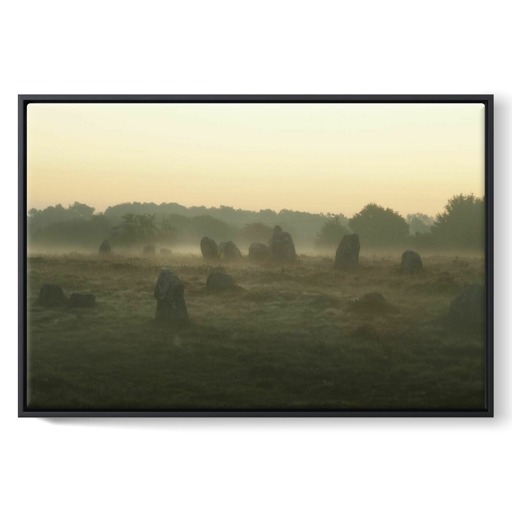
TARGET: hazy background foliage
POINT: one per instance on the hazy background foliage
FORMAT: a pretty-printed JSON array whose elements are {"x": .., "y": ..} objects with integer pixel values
[{"x": 459, "y": 226}]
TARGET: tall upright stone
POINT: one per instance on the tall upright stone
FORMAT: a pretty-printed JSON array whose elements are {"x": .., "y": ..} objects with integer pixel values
[
  {"x": 281, "y": 246},
  {"x": 467, "y": 310},
  {"x": 170, "y": 300},
  {"x": 228, "y": 251},
  {"x": 105, "y": 248},
  {"x": 347, "y": 254},
  {"x": 411, "y": 263},
  {"x": 209, "y": 249}
]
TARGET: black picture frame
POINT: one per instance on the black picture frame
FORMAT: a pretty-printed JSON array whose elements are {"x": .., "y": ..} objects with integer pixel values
[{"x": 25, "y": 100}]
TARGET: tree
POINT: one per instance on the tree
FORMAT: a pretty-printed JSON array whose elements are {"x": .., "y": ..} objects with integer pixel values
[
  {"x": 205, "y": 225},
  {"x": 256, "y": 232},
  {"x": 331, "y": 233},
  {"x": 419, "y": 223},
  {"x": 462, "y": 223},
  {"x": 56, "y": 224},
  {"x": 267, "y": 215},
  {"x": 378, "y": 226},
  {"x": 167, "y": 231},
  {"x": 81, "y": 210},
  {"x": 136, "y": 229}
]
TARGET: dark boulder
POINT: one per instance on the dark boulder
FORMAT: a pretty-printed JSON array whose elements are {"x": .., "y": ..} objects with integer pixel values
[
  {"x": 366, "y": 331},
  {"x": 82, "y": 300},
  {"x": 411, "y": 263},
  {"x": 209, "y": 249},
  {"x": 281, "y": 246},
  {"x": 373, "y": 302},
  {"x": 259, "y": 252},
  {"x": 219, "y": 281},
  {"x": 51, "y": 295},
  {"x": 467, "y": 310},
  {"x": 228, "y": 251},
  {"x": 149, "y": 250},
  {"x": 105, "y": 248},
  {"x": 347, "y": 254},
  {"x": 170, "y": 300}
]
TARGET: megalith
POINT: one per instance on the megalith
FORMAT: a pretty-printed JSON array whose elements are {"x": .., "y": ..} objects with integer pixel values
[
  {"x": 170, "y": 300},
  {"x": 347, "y": 254}
]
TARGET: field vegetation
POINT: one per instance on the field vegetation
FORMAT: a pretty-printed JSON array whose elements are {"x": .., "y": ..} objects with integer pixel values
[{"x": 286, "y": 337}]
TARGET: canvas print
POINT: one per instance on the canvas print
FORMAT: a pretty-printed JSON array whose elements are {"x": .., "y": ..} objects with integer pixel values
[{"x": 238, "y": 256}]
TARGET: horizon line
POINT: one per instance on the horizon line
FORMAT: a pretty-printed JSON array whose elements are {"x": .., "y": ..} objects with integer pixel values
[{"x": 97, "y": 211}]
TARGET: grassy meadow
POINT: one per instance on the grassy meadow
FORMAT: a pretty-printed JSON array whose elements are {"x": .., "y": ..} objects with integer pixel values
[{"x": 284, "y": 338}]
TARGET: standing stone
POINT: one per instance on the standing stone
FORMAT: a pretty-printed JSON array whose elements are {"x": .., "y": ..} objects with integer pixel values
[
  {"x": 229, "y": 251},
  {"x": 51, "y": 295},
  {"x": 281, "y": 246},
  {"x": 259, "y": 252},
  {"x": 82, "y": 300},
  {"x": 169, "y": 295},
  {"x": 149, "y": 250},
  {"x": 105, "y": 248},
  {"x": 347, "y": 254},
  {"x": 209, "y": 249},
  {"x": 219, "y": 281},
  {"x": 411, "y": 263},
  {"x": 467, "y": 310}
]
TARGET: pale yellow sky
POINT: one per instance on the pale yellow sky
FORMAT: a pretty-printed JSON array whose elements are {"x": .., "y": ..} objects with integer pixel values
[{"x": 307, "y": 157}]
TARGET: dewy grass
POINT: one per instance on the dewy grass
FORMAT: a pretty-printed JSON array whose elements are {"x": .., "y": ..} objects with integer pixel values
[{"x": 285, "y": 337}]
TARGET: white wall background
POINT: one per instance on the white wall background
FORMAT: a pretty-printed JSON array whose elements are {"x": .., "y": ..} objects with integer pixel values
[{"x": 259, "y": 47}]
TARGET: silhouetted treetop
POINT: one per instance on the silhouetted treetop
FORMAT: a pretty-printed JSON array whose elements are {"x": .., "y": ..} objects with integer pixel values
[
  {"x": 378, "y": 226},
  {"x": 462, "y": 224},
  {"x": 256, "y": 232},
  {"x": 331, "y": 233},
  {"x": 419, "y": 223}
]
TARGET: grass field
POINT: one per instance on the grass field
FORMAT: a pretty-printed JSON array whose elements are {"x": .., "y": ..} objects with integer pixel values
[{"x": 287, "y": 338}]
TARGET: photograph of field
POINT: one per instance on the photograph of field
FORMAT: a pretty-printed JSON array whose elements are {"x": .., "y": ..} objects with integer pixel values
[{"x": 241, "y": 256}]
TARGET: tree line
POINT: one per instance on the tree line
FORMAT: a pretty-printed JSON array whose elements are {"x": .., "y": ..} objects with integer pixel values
[{"x": 459, "y": 226}]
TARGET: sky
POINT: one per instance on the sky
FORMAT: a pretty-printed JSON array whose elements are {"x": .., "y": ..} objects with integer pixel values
[{"x": 320, "y": 158}]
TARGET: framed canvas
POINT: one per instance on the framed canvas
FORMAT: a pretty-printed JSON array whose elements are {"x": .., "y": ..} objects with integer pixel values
[{"x": 255, "y": 255}]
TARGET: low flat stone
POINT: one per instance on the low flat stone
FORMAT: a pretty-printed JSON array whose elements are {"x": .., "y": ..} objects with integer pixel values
[
  {"x": 373, "y": 302},
  {"x": 219, "y": 281},
  {"x": 259, "y": 252},
  {"x": 82, "y": 300},
  {"x": 149, "y": 250}
]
